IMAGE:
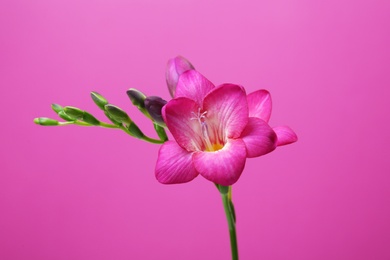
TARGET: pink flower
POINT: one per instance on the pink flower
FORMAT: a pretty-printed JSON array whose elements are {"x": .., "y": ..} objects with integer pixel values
[{"x": 215, "y": 130}]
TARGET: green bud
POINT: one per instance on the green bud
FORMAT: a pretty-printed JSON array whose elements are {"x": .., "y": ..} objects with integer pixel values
[
  {"x": 74, "y": 112},
  {"x": 66, "y": 117},
  {"x": 45, "y": 121},
  {"x": 90, "y": 119},
  {"x": 99, "y": 100},
  {"x": 118, "y": 114},
  {"x": 112, "y": 119},
  {"x": 78, "y": 114},
  {"x": 57, "y": 108},
  {"x": 135, "y": 131},
  {"x": 137, "y": 98}
]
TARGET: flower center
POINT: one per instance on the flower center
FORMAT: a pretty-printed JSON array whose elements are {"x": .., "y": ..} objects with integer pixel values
[{"x": 210, "y": 144}]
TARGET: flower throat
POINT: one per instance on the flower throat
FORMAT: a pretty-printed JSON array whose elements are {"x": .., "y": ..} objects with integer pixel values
[{"x": 209, "y": 145}]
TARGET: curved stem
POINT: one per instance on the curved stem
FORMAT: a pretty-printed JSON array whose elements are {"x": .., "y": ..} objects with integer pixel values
[
  {"x": 152, "y": 140},
  {"x": 105, "y": 125},
  {"x": 81, "y": 123},
  {"x": 231, "y": 219},
  {"x": 144, "y": 137}
]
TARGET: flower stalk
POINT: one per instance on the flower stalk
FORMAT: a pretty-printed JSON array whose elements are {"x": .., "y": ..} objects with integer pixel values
[
  {"x": 118, "y": 117},
  {"x": 51, "y": 122},
  {"x": 226, "y": 194}
]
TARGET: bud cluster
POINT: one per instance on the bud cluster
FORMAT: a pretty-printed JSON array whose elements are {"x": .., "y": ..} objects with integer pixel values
[
  {"x": 118, "y": 117},
  {"x": 150, "y": 106}
]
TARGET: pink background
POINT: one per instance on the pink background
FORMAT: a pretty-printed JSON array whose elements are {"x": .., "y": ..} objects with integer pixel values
[{"x": 90, "y": 193}]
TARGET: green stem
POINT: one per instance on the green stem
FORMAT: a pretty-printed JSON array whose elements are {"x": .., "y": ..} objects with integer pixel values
[
  {"x": 105, "y": 125},
  {"x": 230, "y": 215},
  {"x": 144, "y": 137},
  {"x": 81, "y": 123}
]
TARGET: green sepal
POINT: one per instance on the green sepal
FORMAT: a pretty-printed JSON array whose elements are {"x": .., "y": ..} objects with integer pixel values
[
  {"x": 135, "y": 131},
  {"x": 46, "y": 121},
  {"x": 223, "y": 189},
  {"x": 99, "y": 100},
  {"x": 66, "y": 117},
  {"x": 57, "y": 108},
  {"x": 160, "y": 132}
]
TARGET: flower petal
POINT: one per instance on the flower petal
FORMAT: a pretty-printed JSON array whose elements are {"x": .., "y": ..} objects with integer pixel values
[
  {"x": 178, "y": 115},
  {"x": 174, "y": 164},
  {"x": 193, "y": 85},
  {"x": 259, "y": 138},
  {"x": 285, "y": 135},
  {"x": 260, "y": 104},
  {"x": 224, "y": 166},
  {"x": 227, "y": 110}
]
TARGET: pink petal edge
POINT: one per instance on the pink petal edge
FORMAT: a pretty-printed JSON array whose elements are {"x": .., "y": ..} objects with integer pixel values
[{"x": 174, "y": 164}]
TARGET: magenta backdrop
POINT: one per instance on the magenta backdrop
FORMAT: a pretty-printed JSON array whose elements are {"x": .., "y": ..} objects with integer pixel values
[{"x": 90, "y": 193}]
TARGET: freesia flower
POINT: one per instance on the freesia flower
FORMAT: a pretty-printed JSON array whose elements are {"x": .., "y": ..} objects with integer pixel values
[{"x": 215, "y": 130}]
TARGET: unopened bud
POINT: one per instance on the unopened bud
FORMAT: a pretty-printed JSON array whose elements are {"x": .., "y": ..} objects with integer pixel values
[
  {"x": 111, "y": 118},
  {"x": 99, "y": 100},
  {"x": 117, "y": 114},
  {"x": 57, "y": 108},
  {"x": 136, "y": 97},
  {"x": 45, "y": 121},
  {"x": 66, "y": 117},
  {"x": 175, "y": 68},
  {"x": 154, "y": 105},
  {"x": 76, "y": 113}
]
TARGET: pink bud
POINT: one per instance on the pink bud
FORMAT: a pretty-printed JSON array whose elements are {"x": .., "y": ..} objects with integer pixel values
[{"x": 175, "y": 68}]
